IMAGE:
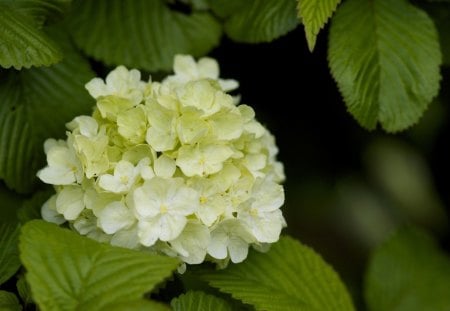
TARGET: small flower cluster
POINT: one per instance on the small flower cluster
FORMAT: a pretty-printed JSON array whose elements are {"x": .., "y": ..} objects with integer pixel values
[{"x": 176, "y": 167}]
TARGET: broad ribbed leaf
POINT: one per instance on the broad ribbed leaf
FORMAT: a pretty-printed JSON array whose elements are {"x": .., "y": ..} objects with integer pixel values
[
  {"x": 40, "y": 10},
  {"x": 9, "y": 252},
  {"x": 35, "y": 104},
  {"x": 385, "y": 57},
  {"x": 224, "y": 8},
  {"x": 440, "y": 13},
  {"x": 9, "y": 301},
  {"x": 290, "y": 276},
  {"x": 408, "y": 273},
  {"x": 314, "y": 15},
  {"x": 21, "y": 44},
  {"x": 67, "y": 271},
  {"x": 199, "y": 301},
  {"x": 140, "y": 33},
  {"x": 262, "y": 20},
  {"x": 24, "y": 290}
]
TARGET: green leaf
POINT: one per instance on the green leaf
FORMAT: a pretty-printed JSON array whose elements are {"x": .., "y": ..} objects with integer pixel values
[
  {"x": 137, "y": 305},
  {"x": 40, "y": 10},
  {"x": 67, "y": 271},
  {"x": 9, "y": 253},
  {"x": 199, "y": 301},
  {"x": 23, "y": 288},
  {"x": 139, "y": 33},
  {"x": 35, "y": 104},
  {"x": 290, "y": 276},
  {"x": 21, "y": 44},
  {"x": 262, "y": 20},
  {"x": 408, "y": 272},
  {"x": 224, "y": 8},
  {"x": 385, "y": 57},
  {"x": 8, "y": 301},
  {"x": 31, "y": 208},
  {"x": 314, "y": 15},
  {"x": 440, "y": 13}
]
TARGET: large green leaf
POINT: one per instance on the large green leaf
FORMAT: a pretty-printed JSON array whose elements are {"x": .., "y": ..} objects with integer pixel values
[
  {"x": 67, "y": 271},
  {"x": 262, "y": 20},
  {"x": 314, "y": 15},
  {"x": 408, "y": 273},
  {"x": 385, "y": 57},
  {"x": 199, "y": 301},
  {"x": 440, "y": 13},
  {"x": 137, "y": 305},
  {"x": 9, "y": 301},
  {"x": 140, "y": 33},
  {"x": 35, "y": 104},
  {"x": 290, "y": 276},
  {"x": 9, "y": 252},
  {"x": 21, "y": 44},
  {"x": 40, "y": 10}
]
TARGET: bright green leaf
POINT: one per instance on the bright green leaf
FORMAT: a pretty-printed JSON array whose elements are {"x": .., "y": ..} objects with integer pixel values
[
  {"x": 35, "y": 104},
  {"x": 9, "y": 301},
  {"x": 67, "y": 271},
  {"x": 290, "y": 276},
  {"x": 385, "y": 57},
  {"x": 21, "y": 44},
  {"x": 9, "y": 253},
  {"x": 408, "y": 273},
  {"x": 199, "y": 301},
  {"x": 262, "y": 20},
  {"x": 139, "y": 33},
  {"x": 314, "y": 15}
]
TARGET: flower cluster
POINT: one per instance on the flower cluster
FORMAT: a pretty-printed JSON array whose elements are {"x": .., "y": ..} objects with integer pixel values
[{"x": 176, "y": 167}]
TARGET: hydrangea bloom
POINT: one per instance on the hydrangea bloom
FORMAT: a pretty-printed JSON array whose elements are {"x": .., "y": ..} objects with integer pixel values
[{"x": 176, "y": 167}]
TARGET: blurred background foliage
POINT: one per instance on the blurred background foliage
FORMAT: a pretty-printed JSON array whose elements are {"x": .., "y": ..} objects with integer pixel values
[{"x": 347, "y": 188}]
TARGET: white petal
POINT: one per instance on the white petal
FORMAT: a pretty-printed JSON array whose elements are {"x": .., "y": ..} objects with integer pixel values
[
  {"x": 70, "y": 202},
  {"x": 171, "y": 226},
  {"x": 238, "y": 249},
  {"x": 164, "y": 166},
  {"x": 49, "y": 213},
  {"x": 114, "y": 217}
]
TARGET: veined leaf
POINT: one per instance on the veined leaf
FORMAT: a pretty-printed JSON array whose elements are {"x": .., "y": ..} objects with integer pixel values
[
  {"x": 140, "y": 33},
  {"x": 440, "y": 13},
  {"x": 224, "y": 8},
  {"x": 35, "y": 104},
  {"x": 9, "y": 252},
  {"x": 9, "y": 301},
  {"x": 196, "y": 300},
  {"x": 314, "y": 15},
  {"x": 262, "y": 20},
  {"x": 40, "y": 10},
  {"x": 290, "y": 276},
  {"x": 21, "y": 44},
  {"x": 408, "y": 273},
  {"x": 385, "y": 57},
  {"x": 67, "y": 271}
]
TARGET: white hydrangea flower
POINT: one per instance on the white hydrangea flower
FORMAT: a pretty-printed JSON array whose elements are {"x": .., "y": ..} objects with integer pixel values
[{"x": 175, "y": 167}]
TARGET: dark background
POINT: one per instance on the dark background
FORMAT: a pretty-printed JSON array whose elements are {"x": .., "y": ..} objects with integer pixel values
[{"x": 334, "y": 200}]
